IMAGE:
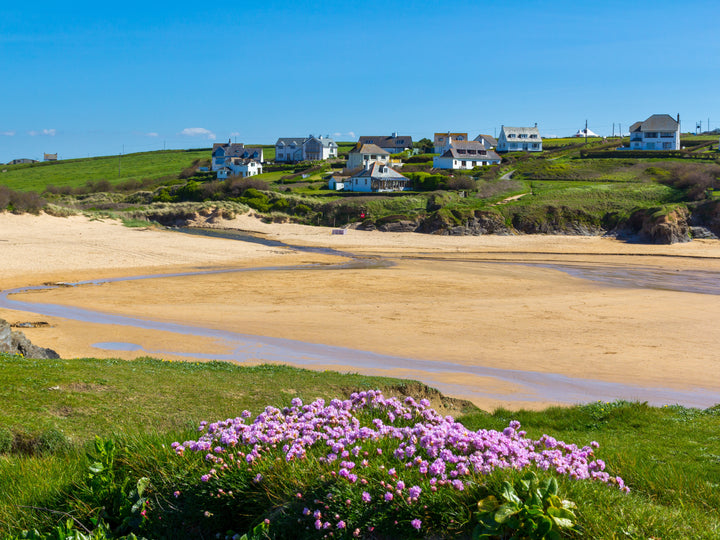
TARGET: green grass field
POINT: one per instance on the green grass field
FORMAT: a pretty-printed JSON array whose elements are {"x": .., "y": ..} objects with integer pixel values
[
  {"x": 668, "y": 456},
  {"x": 114, "y": 169}
]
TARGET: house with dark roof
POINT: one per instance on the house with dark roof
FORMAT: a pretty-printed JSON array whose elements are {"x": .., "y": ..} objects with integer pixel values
[
  {"x": 21, "y": 160},
  {"x": 363, "y": 154},
  {"x": 443, "y": 140},
  {"x": 659, "y": 132},
  {"x": 378, "y": 177},
  {"x": 311, "y": 148},
  {"x": 465, "y": 155},
  {"x": 519, "y": 139},
  {"x": 222, "y": 153},
  {"x": 394, "y": 144}
]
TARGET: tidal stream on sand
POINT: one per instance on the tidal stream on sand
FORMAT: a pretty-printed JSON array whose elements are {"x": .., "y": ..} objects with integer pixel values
[{"x": 531, "y": 385}]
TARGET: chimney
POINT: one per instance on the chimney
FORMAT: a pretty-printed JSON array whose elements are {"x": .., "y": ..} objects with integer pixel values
[
  {"x": 678, "y": 120},
  {"x": 535, "y": 124}
]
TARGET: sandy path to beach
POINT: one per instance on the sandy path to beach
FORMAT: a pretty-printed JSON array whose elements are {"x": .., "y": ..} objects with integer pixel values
[{"x": 452, "y": 299}]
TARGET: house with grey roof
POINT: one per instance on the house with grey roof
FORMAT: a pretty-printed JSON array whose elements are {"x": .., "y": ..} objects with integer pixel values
[
  {"x": 363, "y": 154},
  {"x": 378, "y": 177},
  {"x": 241, "y": 167},
  {"x": 21, "y": 161},
  {"x": 659, "y": 132},
  {"x": 487, "y": 141},
  {"x": 519, "y": 139},
  {"x": 310, "y": 148},
  {"x": 465, "y": 155},
  {"x": 394, "y": 144},
  {"x": 222, "y": 153}
]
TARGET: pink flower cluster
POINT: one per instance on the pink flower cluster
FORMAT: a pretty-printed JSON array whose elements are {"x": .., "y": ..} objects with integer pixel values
[{"x": 443, "y": 450}]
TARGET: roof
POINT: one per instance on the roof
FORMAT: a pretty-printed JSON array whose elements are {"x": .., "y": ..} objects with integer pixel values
[
  {"x": 368, "y": 149},
  {"x": 471, "y": 150},
  {"x": 453, "y": 135},
  {"x": 327, "y": 142},
  {"x": 521, "y": 131},
  {"x": 375, "y": 169},
  {"x": 384, "y": 141},
  {"x": 488, "y": 138},
  {"x": 287, "y": 141},
  {"x": 657, "y": 122}
]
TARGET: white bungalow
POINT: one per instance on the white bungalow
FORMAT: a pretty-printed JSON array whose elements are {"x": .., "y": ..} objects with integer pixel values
[
  {"x": 659, "y": 132},
  {"x": 487, "y": 141},
  {"x": 240, "y": 167},
  {"x": 465, "y": 155},
  {"x": 378, "y": 177},
  {"x": 519, "y": 139}
]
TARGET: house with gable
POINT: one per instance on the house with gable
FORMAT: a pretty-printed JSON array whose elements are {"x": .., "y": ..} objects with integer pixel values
[
  {"x": 319, "y": 148},
  {"x": 311, "y": 148},
  {"x": 377, "y": 176},
  {"x": 393, "y": 144},
  {"x": 487, "y": 141},
  {"x": 465, "y": 155},
  {"x": 363, "y": 154},
  {"x": 222, "y": 153},
  {"x": 659, "y": 132},
  {"x": 519, "y": 139},
  {"x": 442, "y": 140},
  {"x": 242, "y": 167}
]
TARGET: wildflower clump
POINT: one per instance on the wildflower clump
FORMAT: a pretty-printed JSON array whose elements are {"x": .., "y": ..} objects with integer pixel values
[{"x": 370, "y": 464}]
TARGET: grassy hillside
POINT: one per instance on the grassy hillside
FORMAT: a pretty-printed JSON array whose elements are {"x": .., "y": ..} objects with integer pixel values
[
  {"x": 668, "y": 457},
  {"x": 114, "y": 169}
]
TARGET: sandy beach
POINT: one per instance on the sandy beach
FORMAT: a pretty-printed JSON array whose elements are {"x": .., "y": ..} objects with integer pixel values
[{"x": 496, "y": 302}]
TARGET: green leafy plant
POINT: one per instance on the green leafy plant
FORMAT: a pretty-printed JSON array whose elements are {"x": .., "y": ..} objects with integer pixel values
[{"x": 529, "y": 509}]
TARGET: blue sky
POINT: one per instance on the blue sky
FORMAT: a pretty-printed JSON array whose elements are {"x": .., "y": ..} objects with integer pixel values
[{"x": 85, "y": 79}]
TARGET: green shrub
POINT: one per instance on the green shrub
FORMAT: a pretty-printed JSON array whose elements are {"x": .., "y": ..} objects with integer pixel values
[{"x": 52, "y": 441}]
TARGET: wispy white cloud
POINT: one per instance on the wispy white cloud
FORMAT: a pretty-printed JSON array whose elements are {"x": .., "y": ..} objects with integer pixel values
[
  {"x": 235, "y": 134},
  {"x": 50, "y": 132},
  {"x": 198, "y": 132},
  {"x": 352, "y": 134},
  {"x": 152, "y": 134},
  {"x": 7, "y": 133}
]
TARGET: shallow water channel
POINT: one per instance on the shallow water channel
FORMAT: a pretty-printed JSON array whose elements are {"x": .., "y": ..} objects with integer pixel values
[{"x": 532, "y": 386}]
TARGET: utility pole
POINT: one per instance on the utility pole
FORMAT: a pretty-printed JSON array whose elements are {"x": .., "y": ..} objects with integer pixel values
[
  {"x": 613, "y": 135},
  {"x": 120, "y": 159},
  {"x": 586, "y": 132}
]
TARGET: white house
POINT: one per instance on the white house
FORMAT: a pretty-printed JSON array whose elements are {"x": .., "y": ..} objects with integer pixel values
[
  {"x": 394, "y": 144},
  {"x": 465, "y": 155},
  {"x": 222, "y": 152},
  {"x": 659, "y": 132},
  {"x": 487, "y": 141},
  {"x": 311, "y": 148},
  {"x": 519, "y": 139},
  {"x": 240, "y": 167},
  {"x": 442, "y": 140},
  {"x": 363, "y": 154},
  {"x": 378, "y": 176},
  {"x": 319, "y": 148}
]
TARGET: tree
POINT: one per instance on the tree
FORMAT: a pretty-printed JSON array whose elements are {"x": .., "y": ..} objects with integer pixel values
[{"x": 425, "y": 145}]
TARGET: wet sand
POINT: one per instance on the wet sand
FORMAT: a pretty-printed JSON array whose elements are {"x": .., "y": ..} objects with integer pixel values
[{"x": 445, "y": 299}]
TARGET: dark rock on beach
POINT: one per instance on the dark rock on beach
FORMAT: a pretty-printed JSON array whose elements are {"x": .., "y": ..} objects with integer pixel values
[{"x": 16, "y": 343}]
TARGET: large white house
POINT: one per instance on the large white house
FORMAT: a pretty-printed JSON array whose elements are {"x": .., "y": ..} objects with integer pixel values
[
  {"x": 519, "y": 139},
  {"x": 659, "y": 132},
  {"x": 311, "y": 148},
  {"x": 465, "y": 155},
  {"x": 240, "y": 167},
  {"x": 394, "y": 144},
  {"x": 378, "y": 176},
  {"x": 442, "y": 140},
  {"x": 222, "y": 153},
  {"x": 363, "y": 154}
]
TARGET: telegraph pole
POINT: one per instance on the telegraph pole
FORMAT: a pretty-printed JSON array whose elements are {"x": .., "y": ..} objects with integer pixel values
[{"x": 586, "y": 132}]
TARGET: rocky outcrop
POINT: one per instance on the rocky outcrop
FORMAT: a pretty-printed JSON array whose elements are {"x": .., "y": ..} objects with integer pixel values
[
  {"x": 657, "y": 226},
  {"x": 706, "y": 215},
  {"x": 16, "y": 343}
]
